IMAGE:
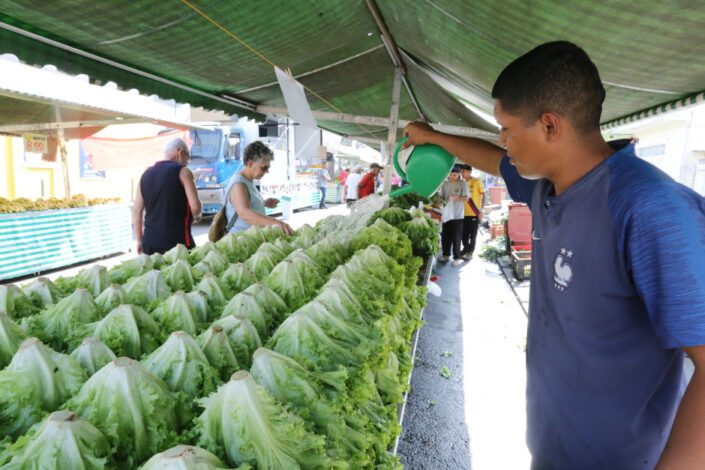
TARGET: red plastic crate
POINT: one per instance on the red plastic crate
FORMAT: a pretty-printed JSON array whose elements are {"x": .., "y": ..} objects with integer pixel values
[{"x": 519, "y": 227}]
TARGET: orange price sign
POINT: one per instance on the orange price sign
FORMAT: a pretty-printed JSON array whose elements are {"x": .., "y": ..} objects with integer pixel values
[{"x": 35, "y": 143}]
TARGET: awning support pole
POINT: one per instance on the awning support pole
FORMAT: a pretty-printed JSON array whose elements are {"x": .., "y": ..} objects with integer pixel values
[
  {"x": 393, "y": 123},
  {"x": 393, "y": 51},
  {"x": 63, "y": 152}
]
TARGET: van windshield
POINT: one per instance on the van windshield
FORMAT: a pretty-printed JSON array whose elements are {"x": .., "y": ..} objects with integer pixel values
[{"x": 205, "y": 144}]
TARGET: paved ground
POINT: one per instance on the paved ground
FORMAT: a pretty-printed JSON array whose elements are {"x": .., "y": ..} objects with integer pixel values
[{"x": 475, "y": 419}]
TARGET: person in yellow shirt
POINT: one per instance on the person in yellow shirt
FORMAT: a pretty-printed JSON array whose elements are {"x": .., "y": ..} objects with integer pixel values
[{"x": 473, "y": 211}]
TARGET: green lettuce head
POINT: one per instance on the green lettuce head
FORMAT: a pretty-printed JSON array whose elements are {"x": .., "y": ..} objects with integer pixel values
[
  {"x": 176, "y": 253},
  {"x": 92, "y": 355},
  {"x": 183, "y": 457},
  {"x": 181, "y": 364},
  {"x": 128, "y": 331},
  {"x": 11, "y": 336},
  {"x": 42, "y": 292},
  {"x": 149, "y": 288},
  {"x": 15, "y": 303},
  {"x": 56, "y": 376},
  {"x": 180, "y": 275},
  {"x": 178, "y": 313},
  {"x": 217, "y": 347},
  {"x": 243, "y": 336},
  {"x": 131, "y": 268},
  {"x": 113, "y": 296},
  {"x": 62, "y": 440},
  {"x": 238, "y": 277},
  {"x": 243, "y": 423},
  {"x": 62, "y": 325},
  {"x": 132, "y": 407}
]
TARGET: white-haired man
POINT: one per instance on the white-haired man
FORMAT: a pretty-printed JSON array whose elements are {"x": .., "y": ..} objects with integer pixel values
[{"x": 167, "y": 197}]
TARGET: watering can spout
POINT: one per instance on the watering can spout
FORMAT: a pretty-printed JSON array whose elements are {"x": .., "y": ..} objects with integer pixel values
[{"x": 401, "y": 191}]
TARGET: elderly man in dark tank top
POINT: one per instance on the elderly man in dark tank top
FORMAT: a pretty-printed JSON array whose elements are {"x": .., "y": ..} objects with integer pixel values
[{"x": 167, "y": 197}]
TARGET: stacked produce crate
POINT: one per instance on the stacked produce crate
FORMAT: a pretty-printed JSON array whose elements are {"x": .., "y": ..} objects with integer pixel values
[{"x": 260, "y": 350}]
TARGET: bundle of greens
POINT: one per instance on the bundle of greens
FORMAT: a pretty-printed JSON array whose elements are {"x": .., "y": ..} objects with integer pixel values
[
  {"x": 132, "y": 407},
  {"x": 243, "y": 423},
  {"x": 42, "y": 292},
  {"x": 61, "y": 326},
  {"x": 181, "y": 364},
  {"x": 62, "y": 440},
  {"x": 15, "y": 303},
  {"x": 127, "y": 331}
]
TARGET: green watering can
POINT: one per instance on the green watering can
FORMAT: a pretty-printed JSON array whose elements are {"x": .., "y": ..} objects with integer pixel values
[{"x": 424, "y": 167}]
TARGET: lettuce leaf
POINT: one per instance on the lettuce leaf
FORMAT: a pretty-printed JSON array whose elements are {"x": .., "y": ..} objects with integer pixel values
[
  {"x": 242, "y": 422},
  {"x": 111, "y": 297},
  {"x": 216, "y": 292},
  {"x": 243, "y": 336},
  {"x": 179, "y": 252},
  {"x": 11, "y": 336},
  {"x": 216, "y": 346},
  {"x": 183, "y": 457},
  {"x": 15, "y": 303},
  {"x": 179, "y": 275},
  {"x": 132, "y": 407},
  {"x": 149, "y": 288},
  {"x": 128, "y": 331},
  {"x": 61, "y": 326},
  {"x": 62, "y": 440},
  {"x": 92, "y": 355},
  {"x": 238, "y": 247},
  {"x": 181, "y": 364},
  {"x": 245, "y": 305},
  {"x": 296, "y": 279},
  {"x": 20, "y": 403},
  {"x": 56, "y": 376},
  {"x": 264, "y": 260},
  {"x": 42, "y": 292},
  {"x": 238, "y": 277},
  {"x": 177, "y": 313},
  {"x": 199, "y": 253},
  {"x": 131, "y": 268}
]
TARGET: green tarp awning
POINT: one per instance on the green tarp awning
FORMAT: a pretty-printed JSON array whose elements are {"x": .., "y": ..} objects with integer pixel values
[{"x": 648, "y": 52}]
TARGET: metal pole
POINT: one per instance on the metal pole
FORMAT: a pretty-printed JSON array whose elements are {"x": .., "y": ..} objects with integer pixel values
[
  {"x": 393, "y": 123},
  {"x": 63, "y": 152}
]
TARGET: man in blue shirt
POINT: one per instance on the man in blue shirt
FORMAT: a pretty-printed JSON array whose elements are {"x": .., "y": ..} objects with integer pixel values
[{"x": 618, "y": 274}]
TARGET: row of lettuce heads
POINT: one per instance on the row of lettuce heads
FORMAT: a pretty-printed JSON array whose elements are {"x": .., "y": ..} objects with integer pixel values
[{"x": 264, "y": 351}]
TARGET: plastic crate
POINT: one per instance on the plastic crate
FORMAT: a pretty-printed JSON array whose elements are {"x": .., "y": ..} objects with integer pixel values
[
  {"x": 521, "y": 264},
  {"x": 496, "y": 231}
]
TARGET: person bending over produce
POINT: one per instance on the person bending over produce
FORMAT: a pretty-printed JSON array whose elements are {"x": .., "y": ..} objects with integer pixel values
[
  {"x": 617, "y": 274},
  {"x": 244, "y": 201}
]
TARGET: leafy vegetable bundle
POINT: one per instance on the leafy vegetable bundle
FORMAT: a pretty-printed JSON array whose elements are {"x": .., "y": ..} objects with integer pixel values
[{"x": 263, "y": 350}]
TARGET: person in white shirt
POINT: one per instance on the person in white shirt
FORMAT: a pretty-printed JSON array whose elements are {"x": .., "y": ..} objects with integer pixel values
[
  {"x": 455, "y": 192},
  {"x": 351, "y": 183}
]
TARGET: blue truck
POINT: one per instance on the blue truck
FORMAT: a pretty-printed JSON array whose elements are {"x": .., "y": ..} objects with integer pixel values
[{"x": 216, "y": 154}]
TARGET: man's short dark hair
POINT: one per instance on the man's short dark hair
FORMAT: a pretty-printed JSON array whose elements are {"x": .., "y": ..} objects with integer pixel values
[{"x": 556, "y": 77}]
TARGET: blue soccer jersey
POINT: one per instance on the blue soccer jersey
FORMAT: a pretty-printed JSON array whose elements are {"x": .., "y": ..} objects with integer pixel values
[{"x": 618, "y": 286}]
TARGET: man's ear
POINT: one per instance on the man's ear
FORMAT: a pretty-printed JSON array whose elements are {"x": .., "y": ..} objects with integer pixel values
[{"x": 551, "y": 126}]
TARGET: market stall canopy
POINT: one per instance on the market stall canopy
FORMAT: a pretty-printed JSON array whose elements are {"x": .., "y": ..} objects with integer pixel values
[
  {"x": 221, "y": 55},
  {"x": 71, "y": 103}
]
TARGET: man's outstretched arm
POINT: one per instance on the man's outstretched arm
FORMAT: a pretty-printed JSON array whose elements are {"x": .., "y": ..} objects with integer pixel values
[{"x": 477, "y": 153}]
